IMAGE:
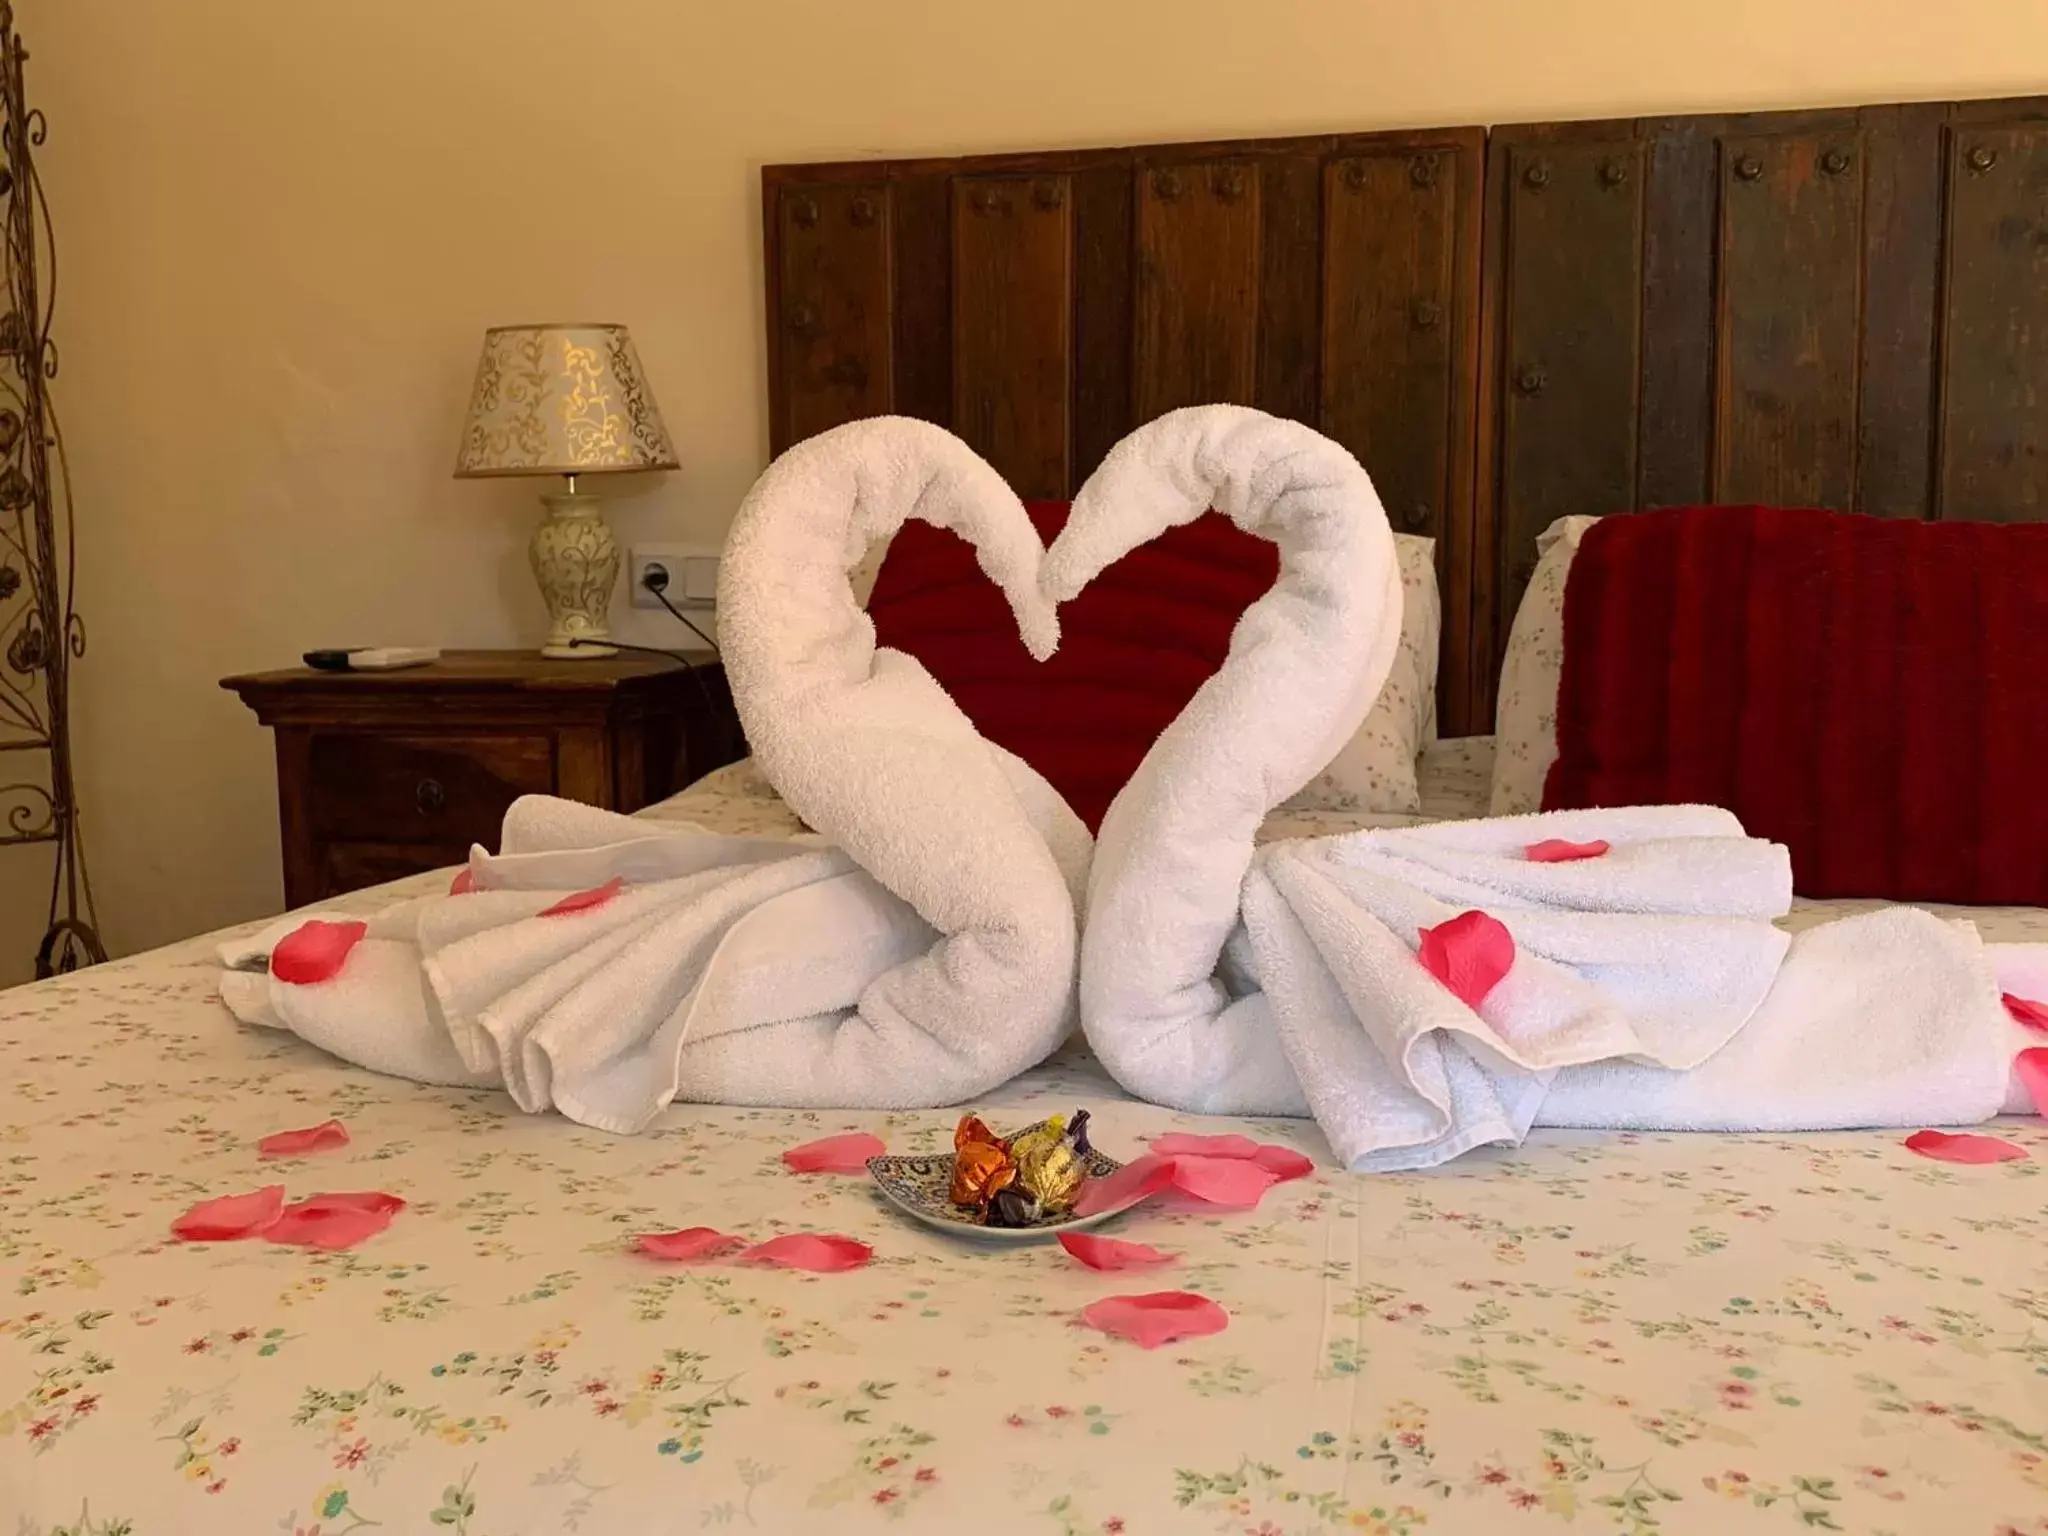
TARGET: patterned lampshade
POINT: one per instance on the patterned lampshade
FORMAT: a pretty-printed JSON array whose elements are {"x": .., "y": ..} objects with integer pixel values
[{"x": 561, "y": 400}]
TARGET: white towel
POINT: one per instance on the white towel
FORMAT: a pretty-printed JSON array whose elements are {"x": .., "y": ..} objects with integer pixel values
[
  {"x": 919, "y": 950},
  {"x": 1305, "y": 664}
]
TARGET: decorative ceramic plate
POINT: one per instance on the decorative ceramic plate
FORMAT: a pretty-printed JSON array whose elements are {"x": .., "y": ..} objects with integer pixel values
[{"x": 919, "y": 1187}]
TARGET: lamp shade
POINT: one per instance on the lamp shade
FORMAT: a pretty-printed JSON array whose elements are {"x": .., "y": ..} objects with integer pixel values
[{"x": 561, "y": 400}]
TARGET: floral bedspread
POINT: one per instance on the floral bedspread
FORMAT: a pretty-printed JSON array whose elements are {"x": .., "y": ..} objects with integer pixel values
[{"x": 1593, "y": 1333}]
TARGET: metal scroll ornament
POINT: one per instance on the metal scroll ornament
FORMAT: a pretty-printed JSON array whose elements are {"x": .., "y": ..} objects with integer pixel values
[{"x": 40, "y": 631}]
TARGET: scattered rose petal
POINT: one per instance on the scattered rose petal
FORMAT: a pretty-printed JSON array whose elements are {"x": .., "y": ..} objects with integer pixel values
[
  {"x": 313, "y": 951},
  {"x": 826, "y": 1253},
  {"x": 463, "y": 883},
  {"x": 314, "y": 1138},
  {"x": 334, "y": 1221},
  {"x": 1469, "y": 954},
  {"x": 1555, "y": 850},
  {"x": 231, "y": 1216},
  {"x": 1175, "y": 1143},
  {"x": 2032, "y": 1068},
  {"x": 585, "y": 901},
  {"x": 835, "y": 1154},
  {"x": 1284, "y": 1163},
  {"x": 1235, "y": 1183},
  {"x": 1139, "y": 1179},
  {"x": 1107, "y": 1253},
  {"x": 2028, "y": 1012},
  {"x": 1157, "y": 1318},
  {"x": 690, "y": 1243},
  {"x": 1963, "y": 1149},
  {"x": 375, "y": 1201}
]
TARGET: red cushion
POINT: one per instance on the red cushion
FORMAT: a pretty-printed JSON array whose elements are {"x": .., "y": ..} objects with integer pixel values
[
  {"x": 1133, "y": 647},
  {"x": 1871, "y": 693}
]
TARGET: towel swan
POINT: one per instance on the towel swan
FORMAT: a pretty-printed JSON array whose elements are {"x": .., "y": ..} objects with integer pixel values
[{"x": 919, "y": 949}]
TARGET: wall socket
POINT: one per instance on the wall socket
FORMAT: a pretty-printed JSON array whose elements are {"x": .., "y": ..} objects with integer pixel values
[{"x": 692, "y": 574}]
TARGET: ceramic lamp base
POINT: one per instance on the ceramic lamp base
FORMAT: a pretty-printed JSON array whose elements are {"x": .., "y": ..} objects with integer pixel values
[{"x": 576, "y": 562}]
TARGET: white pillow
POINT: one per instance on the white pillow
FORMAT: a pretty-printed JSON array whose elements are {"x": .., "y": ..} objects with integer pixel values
[
  {"x": 1525, "y": 716},
  {"x": 1375, "y": 769}
]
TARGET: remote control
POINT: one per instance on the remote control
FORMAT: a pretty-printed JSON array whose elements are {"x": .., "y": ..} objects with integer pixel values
[{"x": 374, "y": 658}]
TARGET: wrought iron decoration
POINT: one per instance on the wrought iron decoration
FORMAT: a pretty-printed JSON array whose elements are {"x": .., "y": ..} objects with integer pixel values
[{"x": 41, "y": 633}]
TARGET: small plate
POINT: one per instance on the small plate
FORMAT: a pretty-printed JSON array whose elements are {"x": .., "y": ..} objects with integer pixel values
[{"x": 919, "y": 1187}]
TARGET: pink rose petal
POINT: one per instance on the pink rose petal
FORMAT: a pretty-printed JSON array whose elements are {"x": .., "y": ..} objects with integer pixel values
[
  {"x": 1235, "y": 1183},
  {"x": 1174, "y": 1143},
  {"x": 314, "y": 951},
  {"x": 835, "y": 1154},
  {"x": 463, "y": 883},
  {"x": 1555, "y": 850},
  {"x": 324, "y": 1137},
  {"x": 334, "y": 1221},
  {"x": 1963, "y": 1149},
  {"x": 2032, "y": 1068},
  {"x": 375, "y": 1201},
  {"x": 2028, "y": 1012},
  {"x": 826, "y": 1253},
  {"x": 585, "y": 901},
  {"x": 1284, "y": 1163},
  {"x": 1107, "y": 1253},
  {"x": 229, "y": 1217},
  {"x": 1156, "y": 1318},
  {"x": 1139, "y": 1179},
  {"x": 690, "y": 1243},
  {"x": 1469, "y": 954}
]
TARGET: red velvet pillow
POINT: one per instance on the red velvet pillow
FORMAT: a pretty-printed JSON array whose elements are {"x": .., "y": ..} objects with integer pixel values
[{"x": 1133, "y": 647}]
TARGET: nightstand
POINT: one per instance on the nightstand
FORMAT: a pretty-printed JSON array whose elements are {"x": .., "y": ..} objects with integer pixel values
[{"x": 384, "y": 774}]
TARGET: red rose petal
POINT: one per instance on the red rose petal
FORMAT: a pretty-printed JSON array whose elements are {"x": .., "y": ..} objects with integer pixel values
[
  {"x": 835, "y": 1154},
  {"x": 314, "y": 951},
  {"x": 1947, "y": 1148},
  {"x": 2028, "y": 1012},
  {"x": 1284, "y": 1163},
  {"x": 825, "y": 1253},
  {"x": 463, "y": 883},
  {"x": 229, "y": 1217},
  {"x": 1139, "y": 1179},
  {"x": 1235, "y": 1183},
  {"x": 1157, "y": 1318},
  {"x": 585, "y": 901},
  {"x": 688, "y": 1244},
  {"x": 1176, "y": 1143},
  {"x": 334, "y": 1221},
  {"x": 1107, "y": 1253},
  {"x": 2032, "y": 1067},
  {"x": 1469, "y": 954},
  {"x": 314, "y": 1138},
  {"x": 374, "y": 1201},
  {"x": 1555, "y": 850}
]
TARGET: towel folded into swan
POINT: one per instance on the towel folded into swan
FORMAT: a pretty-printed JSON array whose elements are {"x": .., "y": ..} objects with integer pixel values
[
  {"x": 919, "y": 950},
  {"x": 1647, "y": 986}
]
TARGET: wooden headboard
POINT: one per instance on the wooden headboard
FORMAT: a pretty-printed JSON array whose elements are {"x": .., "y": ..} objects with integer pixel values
[{"x": 1841, "y": 308}]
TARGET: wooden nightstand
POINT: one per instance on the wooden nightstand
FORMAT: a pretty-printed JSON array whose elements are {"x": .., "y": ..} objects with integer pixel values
[{"x": 383, "y": 774}]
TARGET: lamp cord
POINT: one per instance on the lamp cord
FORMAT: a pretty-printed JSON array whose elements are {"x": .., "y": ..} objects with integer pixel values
[{"x": 711, "y": 711}]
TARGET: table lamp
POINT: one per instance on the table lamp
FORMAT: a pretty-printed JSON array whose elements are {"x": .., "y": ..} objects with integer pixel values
[{"x": 565, "y": 400}]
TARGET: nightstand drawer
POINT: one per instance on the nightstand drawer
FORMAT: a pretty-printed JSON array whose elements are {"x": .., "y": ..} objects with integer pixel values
[{"x": 449, "y": 790}]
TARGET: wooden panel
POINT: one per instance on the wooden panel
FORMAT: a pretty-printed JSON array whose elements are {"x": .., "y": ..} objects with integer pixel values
[
  {"x": 1012, "y": 317},
  {"x": 921, "y": 263},
  {"x": 426, "y": 789},
  {"x": 1103, "y": 282},
  {"x": 1675, "y": 438},
  {"x": 1389, "y": 237},
  {"x": 1994, "y": 367},
  {"x": 1570, "y": 353},
  {"x": 1290, "y": 284},
  {"x": 1788, "y": 327},
  {"x": 832, "y": 342},
  {"x": 1195, "y": 333},
  {"x": 1902, "y": 214}
]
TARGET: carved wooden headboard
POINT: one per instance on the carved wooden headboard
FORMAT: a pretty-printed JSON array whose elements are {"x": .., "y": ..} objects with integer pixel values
[{"x": 1840, "y": 308}]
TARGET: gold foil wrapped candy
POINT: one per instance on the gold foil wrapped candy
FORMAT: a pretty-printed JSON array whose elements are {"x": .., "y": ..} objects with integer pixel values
[{"x": 1049, "y": 1169}]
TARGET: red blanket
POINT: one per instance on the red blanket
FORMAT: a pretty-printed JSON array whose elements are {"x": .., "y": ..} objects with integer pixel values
[{"x": 1871, "y": 693}]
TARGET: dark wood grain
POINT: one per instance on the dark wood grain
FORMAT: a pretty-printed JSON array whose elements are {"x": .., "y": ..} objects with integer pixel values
[
  {"x": 831, "y": 334},
  {"x": 1104, "y": 257},
  {"x": 1902, "y": 221},
  {"x": 1195, "y": 330},
  {"x": 1994, "y": 363},
  {"x": 1788, "y": 323},
  {"x": 1680, "y": 206},
  {"x": 921, "y": 264},
  {"x": 1290, "y": 353},
  {"x": 1013, "y": 308}
]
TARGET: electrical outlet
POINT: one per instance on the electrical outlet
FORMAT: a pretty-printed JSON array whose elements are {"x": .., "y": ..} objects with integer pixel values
[{"x": 692, "y": 574}]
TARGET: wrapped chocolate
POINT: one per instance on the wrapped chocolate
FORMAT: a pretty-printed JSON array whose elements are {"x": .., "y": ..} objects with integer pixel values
[
  {"x": 1012, "y": 1208},
  {"x": 982, "y": 1164},
  {"x": 1049, "y": 1170},
  {"x": 1025, "y": 1179}
]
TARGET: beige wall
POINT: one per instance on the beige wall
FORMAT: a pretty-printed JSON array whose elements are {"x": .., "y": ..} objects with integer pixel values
[{"x": 283, "y": 224}]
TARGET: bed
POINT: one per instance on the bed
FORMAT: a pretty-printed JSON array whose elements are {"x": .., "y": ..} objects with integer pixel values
[{"x": 1611, "y": 1332}]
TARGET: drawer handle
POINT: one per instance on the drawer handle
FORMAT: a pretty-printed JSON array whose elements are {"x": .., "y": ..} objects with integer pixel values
[{"x": 429, "y": 796}]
